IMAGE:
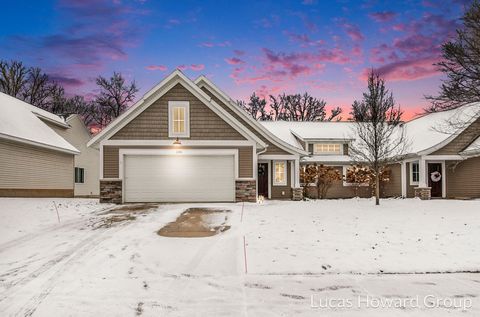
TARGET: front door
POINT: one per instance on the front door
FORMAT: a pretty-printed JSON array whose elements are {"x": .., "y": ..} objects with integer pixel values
[
  {"x": 435, "y": 179},
  {"x": 263, "y": 179}
]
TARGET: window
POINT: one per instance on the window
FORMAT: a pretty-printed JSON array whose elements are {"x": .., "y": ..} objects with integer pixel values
[
  {"x": 280, "y": 173},
  {"x": 178, "y": 122},
  {"x": 79, "y": 175},
  {"x": 327, "y": 148},
  {"x": 414, "y": 173}
]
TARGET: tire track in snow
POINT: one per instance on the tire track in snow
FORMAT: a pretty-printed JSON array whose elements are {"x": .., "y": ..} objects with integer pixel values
[{"x": 64, "y": 262}]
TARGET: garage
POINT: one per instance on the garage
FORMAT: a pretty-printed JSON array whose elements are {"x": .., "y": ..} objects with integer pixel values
[{"x": 179, "y": 178}]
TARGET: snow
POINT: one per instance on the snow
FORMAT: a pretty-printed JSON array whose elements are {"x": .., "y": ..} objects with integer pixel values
[
  {"x": 474, "y": 147},
  {"x": 297, "y": 253},
  {"x": 327, "y": 158},
  {"x": 18, "y": 122}
]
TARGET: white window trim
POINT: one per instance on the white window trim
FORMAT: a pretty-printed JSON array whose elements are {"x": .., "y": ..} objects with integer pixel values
[
  {"x": 284, "y": 183},
  {"x": 412, "y": 183},
  {"x": 186, "y": 106},
  {"x": 340, "y": 150}
]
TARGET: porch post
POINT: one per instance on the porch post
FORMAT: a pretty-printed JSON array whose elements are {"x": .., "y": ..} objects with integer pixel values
[
  {"x": 297, "y": 172},
  {"x": 422, "y": 183},
  {"x": 422, "y": 191},
  {"x": 403, "y": 176}
]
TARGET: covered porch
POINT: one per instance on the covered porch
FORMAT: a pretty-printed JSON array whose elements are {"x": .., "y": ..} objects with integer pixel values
[
  {"x": 426, "y": 176},
  {"x": 278, "y": 177}
]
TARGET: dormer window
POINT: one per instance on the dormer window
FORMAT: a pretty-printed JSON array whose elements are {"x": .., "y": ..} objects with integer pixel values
[
  {"x": 327, "y": 148},
  {"x": 179, "y": 119}
]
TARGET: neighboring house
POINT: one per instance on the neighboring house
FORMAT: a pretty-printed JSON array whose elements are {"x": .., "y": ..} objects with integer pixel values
[
  {"x": 86, "y": 162},
  {"x": 39, "y": 153},
  {"x": 187, "y": 141}
]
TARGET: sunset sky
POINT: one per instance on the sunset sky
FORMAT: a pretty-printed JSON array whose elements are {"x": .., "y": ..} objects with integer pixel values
[{"x": 270, "y": 47}]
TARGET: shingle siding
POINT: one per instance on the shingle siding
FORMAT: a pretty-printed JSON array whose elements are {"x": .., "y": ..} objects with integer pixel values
[
  {"x": 271, "y": 149},
  {"x": 463, "y": 179},
  {"x": 152, "y": 123}
]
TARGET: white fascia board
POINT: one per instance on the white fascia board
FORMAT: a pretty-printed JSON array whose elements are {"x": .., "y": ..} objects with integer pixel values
[
  {"x": 444, "y": 157},
  {"x": 183, "y": 141},
  {"x": 42, "y": 145},
  {"x": 159, "y": 90},
  {"x": 203, "y": 81},
  {"x": 278, "y": 157}
]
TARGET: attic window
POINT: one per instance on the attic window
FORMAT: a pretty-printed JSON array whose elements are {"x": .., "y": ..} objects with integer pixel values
[
  {"x": 178, "y": 119},
  {"x": 327, "y": 148}
]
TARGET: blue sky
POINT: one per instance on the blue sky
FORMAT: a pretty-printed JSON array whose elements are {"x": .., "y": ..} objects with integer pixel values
[{"x": 270, "y": 47}]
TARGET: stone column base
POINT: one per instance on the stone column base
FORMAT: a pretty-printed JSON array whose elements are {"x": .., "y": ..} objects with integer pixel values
[
  {"x": 111, "y": 191},
  {"x": 246, "y": 190},
  {"x": 297, "y": 194},
  {"x": 424, "y": 193}
]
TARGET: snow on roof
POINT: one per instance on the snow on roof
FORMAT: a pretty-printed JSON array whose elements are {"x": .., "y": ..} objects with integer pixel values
[
  {"x": 46, "y": 115},
  {"x": 327, "y": 158},
  {"x": 423, "y": 133},
  {"x": 473, "y": 147},
  {"x": 431, "y": 130},
  {"x": 17, "y": 121}
]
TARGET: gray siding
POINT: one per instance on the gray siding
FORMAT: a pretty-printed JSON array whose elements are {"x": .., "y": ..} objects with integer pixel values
[
  {"x": 152, "y": 123},
  {"x": 463, "y": 179},
  {"x": 462, "y": 141},
  {"x": 24, "y": 166},
  {"x": 271, "y": 149}
]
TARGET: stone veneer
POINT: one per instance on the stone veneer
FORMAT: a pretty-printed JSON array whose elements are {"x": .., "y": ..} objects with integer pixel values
[
  {"x": 297, "y": 194},
  {"x": 246, "y": 190},
  {"x": 424, "y": 193},
  {"x": 111, "y": 191}
]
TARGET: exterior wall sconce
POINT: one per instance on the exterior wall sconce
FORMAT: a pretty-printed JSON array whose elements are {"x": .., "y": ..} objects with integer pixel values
[{"x": 177, "y": 142}]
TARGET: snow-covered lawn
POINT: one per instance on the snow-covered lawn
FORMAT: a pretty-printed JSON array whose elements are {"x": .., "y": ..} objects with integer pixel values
[{"x": 298, "y": 254}]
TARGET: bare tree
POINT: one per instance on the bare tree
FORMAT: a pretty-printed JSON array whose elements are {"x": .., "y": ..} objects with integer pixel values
[
  {"x": 13, "y": 77},
  {"x": 379, "y": 136},
  {"x": 256, "y": 107},
  {"x": 461, "y": 65},
  {"x": 114, "y": 97},
  {"x": 294, "y": 107}
]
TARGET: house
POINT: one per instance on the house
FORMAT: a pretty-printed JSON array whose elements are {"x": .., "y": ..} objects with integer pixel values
[
  {"x": 187, "y": 141},
  {"x": 42, "y": 154}
]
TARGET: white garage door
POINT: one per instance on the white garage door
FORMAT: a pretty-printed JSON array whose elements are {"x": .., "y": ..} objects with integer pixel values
[{"x": 164, "y": 178}]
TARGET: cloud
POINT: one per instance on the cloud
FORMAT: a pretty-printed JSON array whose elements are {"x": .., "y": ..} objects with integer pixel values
[
  {"x": 194, "y": 67},
  {"x": 303, "y": 39},
  {"x": 212, "y": 44},
  {"x": 161, "y": 68},
  {"x": 412, "y": 69},
  {"x": 234, "y": 61},
  {"x": 354, "y": 32},
  {"x": 239, "y": 52},
  {"x": 66, "y": 81},
  {"x": 383, "y": 16}
]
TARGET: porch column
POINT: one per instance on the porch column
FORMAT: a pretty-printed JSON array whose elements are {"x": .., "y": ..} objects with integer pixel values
[
  {"x": 422, "y": 170},
  {"x": 403, "y": 176},
  {"x": 297, "y": 172}
]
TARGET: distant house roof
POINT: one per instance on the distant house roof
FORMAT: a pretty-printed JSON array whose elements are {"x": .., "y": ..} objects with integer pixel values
[
  {"x": 425, "y": 133},
  {"x": 19, "y": 122}
]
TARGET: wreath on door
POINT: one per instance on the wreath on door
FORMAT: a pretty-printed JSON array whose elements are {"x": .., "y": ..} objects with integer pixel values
[{"x": 435, "y": 176}]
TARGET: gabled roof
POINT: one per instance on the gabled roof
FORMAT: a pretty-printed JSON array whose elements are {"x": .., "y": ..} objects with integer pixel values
[
  {"x": 159, "y": 90},
  {"x": 202, "y": 81},
  {"x": 426, "y": 134},
  {"x": 19, "y": 123}
]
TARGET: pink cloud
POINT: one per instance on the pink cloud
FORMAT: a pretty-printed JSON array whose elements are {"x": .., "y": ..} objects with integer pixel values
[
  {"x": 212, "y": 44},
  {"x": 411, "y": 69},
  {"x": 384, "y": 16},
  {"x": 161, "y": 68},
  {"x": 354, "y": 32},
  {"x": 194, "y": 67},
  {"x": 239, "y": 52},
  {"x": 234, "y": 61},
  {"x": 197, "y": 67},
  {"x": 303, "y": 39}
]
